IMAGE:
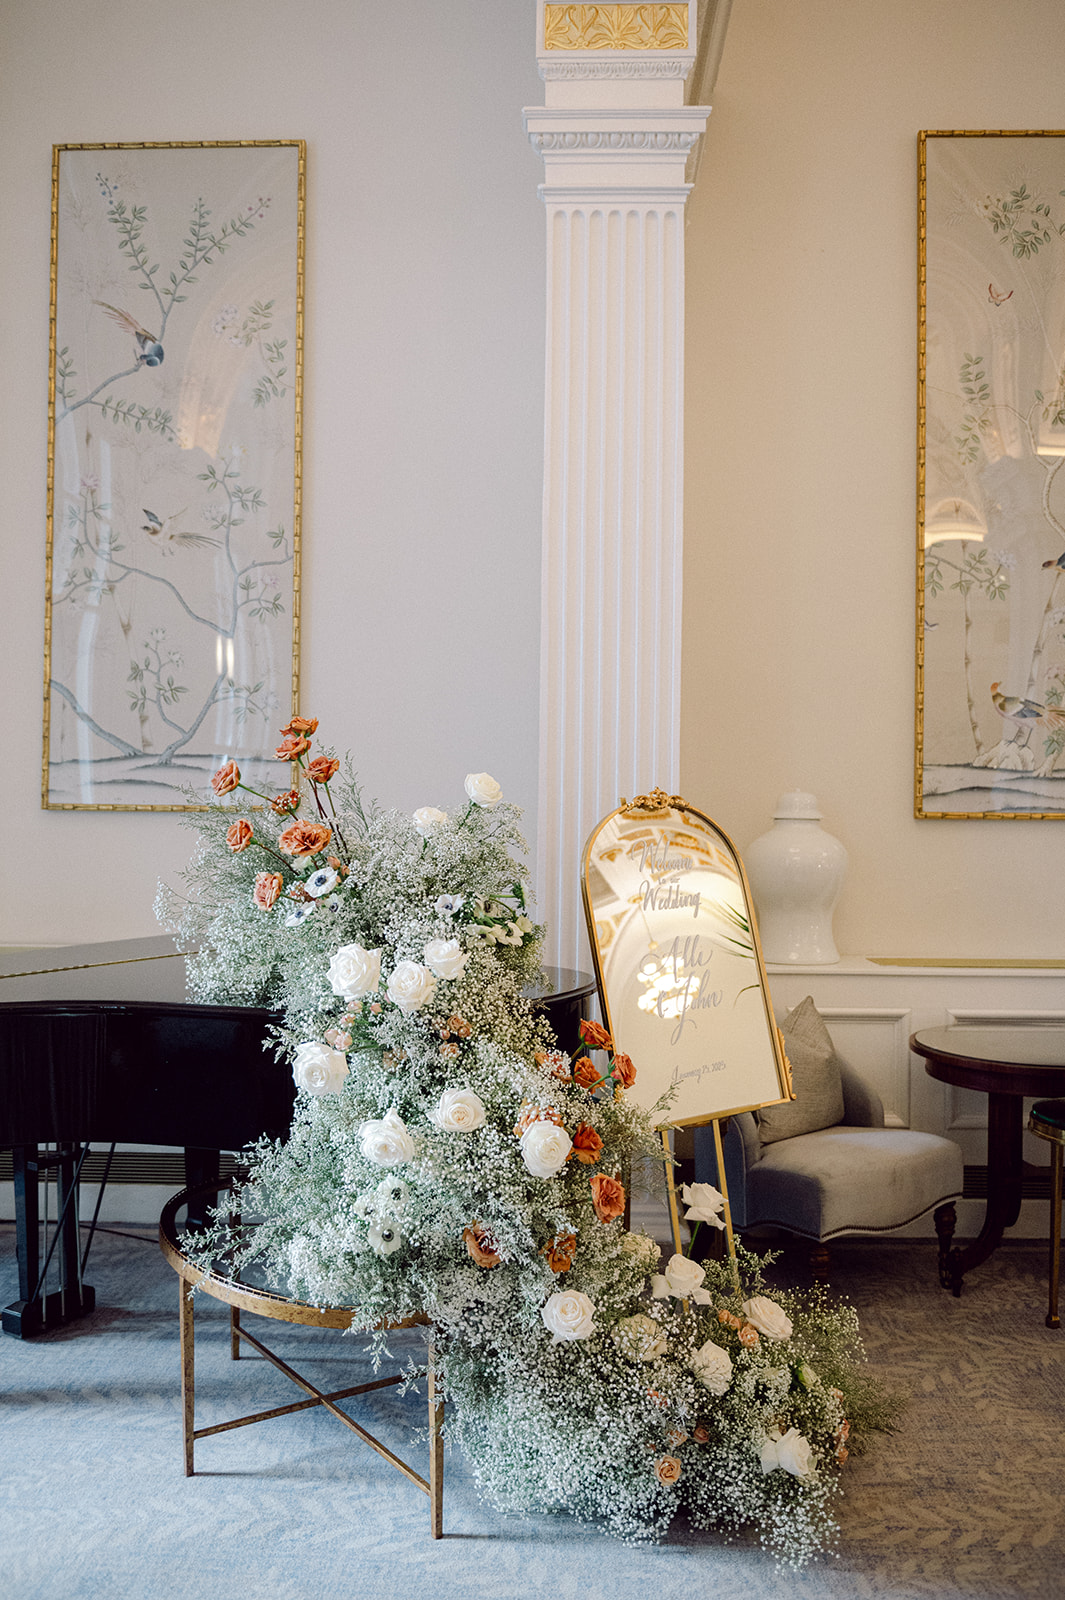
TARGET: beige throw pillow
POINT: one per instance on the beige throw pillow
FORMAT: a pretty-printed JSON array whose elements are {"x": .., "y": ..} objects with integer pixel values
[{"x": 815, "y": 1075}]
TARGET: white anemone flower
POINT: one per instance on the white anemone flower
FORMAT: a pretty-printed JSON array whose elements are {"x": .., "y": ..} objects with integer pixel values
[
  {"x": 384, "y": 1236},
  {"x": 320, "y": 882}
]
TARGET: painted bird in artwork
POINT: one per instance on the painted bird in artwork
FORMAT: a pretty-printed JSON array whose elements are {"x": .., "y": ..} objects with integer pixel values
[
  {"x": 166, "y": 539},
  {"x": 149, "y": 350},
  {"x": 1027, "y": 713},
  {"x": 996, "y": 296},
  {"x": 1060, "y": 562}
]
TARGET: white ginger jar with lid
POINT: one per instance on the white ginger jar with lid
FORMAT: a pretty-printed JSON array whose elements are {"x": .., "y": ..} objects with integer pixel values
[{"x": 796, "y": 872}]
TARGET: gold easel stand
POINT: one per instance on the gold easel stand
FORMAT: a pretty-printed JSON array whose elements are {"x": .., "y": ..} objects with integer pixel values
[
  {"x": 722, "y": 1187},
  {"x": 266, "y": 1303}
]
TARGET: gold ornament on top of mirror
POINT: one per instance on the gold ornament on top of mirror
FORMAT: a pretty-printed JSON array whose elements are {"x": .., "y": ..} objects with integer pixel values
[{"x": 679, "y": 966}]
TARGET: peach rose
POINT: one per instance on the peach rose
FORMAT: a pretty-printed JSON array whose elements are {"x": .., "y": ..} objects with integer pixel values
[
  {"x": 560, "y": 1252},
  {"x": 239, "y": 836},
  {"x": 608, "y": 1197},
  {"x": 595, "y": 1036},
  {"x": 295, "y": 745},
  {"x": 300, "y": 725},
  {"x": 586, "y": 1073},
  {"x": 226, "y": 779},
  {"x": 587, "y": 1145},
  {"x": 729, "y": 1319},
  {"x": 624, "y": 1071},
  {"x": 481, "y": 1245},
  {"x": 531, "y": 1114},
  {"x": 282, "y": 805},
  {"x": 459, "y": 1026},
  {"x": 748, "y": 1336},
  {"x": 676, "y": 1437},
  {"x": 701, "y": 1433},
  {"x": 322, "y": 768},
  {"x": 268, "y": 886},
  {"x": 556, "y": 1062},
  {"x": 303, "y": 838},
  {"x": 667, "y": 1470}
]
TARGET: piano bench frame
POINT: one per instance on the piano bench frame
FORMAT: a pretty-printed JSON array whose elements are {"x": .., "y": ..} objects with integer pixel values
[{"x": 279, "y": 1308}]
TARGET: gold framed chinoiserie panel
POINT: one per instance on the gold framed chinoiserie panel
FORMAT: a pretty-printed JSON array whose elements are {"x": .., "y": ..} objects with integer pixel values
[
  {"x": 616, "y": 27},
  {"x": 679, "y": 966},
  {"x": 990, "y": 681},
  {"x": 174, "y": 476}
]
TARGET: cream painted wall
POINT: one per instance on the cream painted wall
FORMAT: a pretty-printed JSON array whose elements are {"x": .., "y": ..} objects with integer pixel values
[
  {"x": 424, "y": 387},
  {"x": 800, "y": 452}
]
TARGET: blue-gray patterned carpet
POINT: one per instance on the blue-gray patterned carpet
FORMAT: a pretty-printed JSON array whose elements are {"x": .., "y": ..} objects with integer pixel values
[{"x": 965, "y": 1501}]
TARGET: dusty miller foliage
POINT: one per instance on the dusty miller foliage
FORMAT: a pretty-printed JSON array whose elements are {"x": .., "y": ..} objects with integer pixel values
[{"x": 581, "y": 1425}]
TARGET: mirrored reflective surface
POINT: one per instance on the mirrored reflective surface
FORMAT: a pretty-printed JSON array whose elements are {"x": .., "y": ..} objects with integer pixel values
[{"x": 679, "y": 967}]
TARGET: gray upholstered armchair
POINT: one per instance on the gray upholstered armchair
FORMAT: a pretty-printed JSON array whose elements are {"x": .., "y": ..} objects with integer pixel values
[{"x": 856, "y": 1176}]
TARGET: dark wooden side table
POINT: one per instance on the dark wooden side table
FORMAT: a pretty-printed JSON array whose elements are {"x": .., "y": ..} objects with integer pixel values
[
  {"x": 263, "y": 1301},
  {"x": 1006, "y": 1064}
]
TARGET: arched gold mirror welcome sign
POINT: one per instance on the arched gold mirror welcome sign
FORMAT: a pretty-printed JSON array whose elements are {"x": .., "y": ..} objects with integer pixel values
[{"x": 679, "y": 966}]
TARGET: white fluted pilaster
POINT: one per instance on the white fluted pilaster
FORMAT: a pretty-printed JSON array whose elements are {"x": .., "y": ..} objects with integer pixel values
[{"x": 613, "y": 472}]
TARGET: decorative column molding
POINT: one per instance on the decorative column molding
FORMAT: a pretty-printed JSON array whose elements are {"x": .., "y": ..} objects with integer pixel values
[{"x": 615, "y": 136}]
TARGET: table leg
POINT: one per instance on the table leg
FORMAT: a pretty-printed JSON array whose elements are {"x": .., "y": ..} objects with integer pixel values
[
  {"x": 1057, "y": 1155},
  {"x": 234, "y": 1333},
  {"x": 436, "y": 1454},
  {"x": 186, "y": 1324},
  {"x": 1003, "y": 1186}
]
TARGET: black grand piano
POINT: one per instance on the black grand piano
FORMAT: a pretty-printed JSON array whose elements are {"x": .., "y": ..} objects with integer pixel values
[{"x": 99, "y": 1046}]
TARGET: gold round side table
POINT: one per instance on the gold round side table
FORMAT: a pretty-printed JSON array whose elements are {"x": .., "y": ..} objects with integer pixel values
[{"x": 266, "y": 1302}]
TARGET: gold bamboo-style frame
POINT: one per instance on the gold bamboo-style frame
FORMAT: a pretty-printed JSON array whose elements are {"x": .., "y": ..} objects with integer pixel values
[
  {"x": 271, "y": 328},
  {"x": 971, "y": 488}
]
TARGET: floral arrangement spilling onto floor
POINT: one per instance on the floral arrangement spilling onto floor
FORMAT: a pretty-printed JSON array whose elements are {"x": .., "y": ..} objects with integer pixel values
[{"x": 447, "y": 1158}]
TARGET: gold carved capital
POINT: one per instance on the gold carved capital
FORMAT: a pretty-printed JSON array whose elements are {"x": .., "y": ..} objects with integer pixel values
[{"x": 648, "y": 27}]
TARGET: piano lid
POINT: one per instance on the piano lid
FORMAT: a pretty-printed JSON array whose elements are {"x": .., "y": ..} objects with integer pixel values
[{"x": 114, "y": 969}]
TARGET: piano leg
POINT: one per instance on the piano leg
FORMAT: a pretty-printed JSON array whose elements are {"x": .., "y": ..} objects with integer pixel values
[
  {"x": 201, "y": 1166},
  {"x": 35, "y": 1312}
]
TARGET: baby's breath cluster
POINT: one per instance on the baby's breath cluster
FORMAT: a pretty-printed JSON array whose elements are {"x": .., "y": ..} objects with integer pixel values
[{"x": 447, "y": 1159}]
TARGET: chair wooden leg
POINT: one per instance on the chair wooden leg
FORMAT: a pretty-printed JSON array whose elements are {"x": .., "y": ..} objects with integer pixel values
[
  {"x": 436, "y": 1454},
  {"x": 818, "y": 1261},
  {"x": 946, "y": 1220},
  {"x": 1057, "y": 1153},
  {"x": 186, "y": 1324}
]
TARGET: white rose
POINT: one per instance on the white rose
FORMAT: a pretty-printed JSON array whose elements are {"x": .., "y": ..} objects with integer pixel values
[
  {"x": 426, "y": 818},
  {"x": 568, "y": 1314},
  {"x": 713, "y": 1367},
  {"x": 411, "y": 986},
  {"x": 682, "y": 1278},
  {"x": 544, "y": 1148},
  {"x": 354, "y": 971},
  {"x": 386, "y": 1141},
  {"x": 767, "y": 1317},
  {"x": 459, "y": 1111},
  {"x": 792, "y": 1452},
  {"x": 483, "y": 790},
  {"x": 445, "y": 957},
  {"x": 703, "y": 1202},
  {"x": 318, "y": 1069},
  {"x": 640, "y": 1337}
]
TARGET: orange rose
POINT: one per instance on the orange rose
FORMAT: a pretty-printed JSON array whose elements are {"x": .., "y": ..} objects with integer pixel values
[
  {"x": 624, "y": 1071},
  {"x": 560, "y": 1252},
  {"x": 556, "y": 1062},
  {"x": 322, "y": 768},
  {"x": 531, "y": 1114},
  {"x": 268, "y": 886},
  {"x": 239, "y": 836},
  {"x": 225, "y": 779},
  {"x": 586, "y": 1073},
  {"x": 282, "y": 805},
  {"x": 481, "y": 1245},
  {"x": 608, "y": 1197},
  {"x": 701, "y": 1433},
  {"x": 595, "y": 1036},
  {"x": 729, "y": 1319},
  {"x": 295, "y": 745},
  {"x": 587, "y": 1145},
  {"x": 667, "y": 1470},
  {"x": 300, "y": 725},
  {"x": 303, "y": 838},
  {"x": 676, "y": 1437},
  {"x": 748, "y": 1336}
]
